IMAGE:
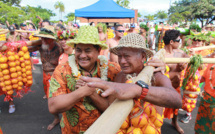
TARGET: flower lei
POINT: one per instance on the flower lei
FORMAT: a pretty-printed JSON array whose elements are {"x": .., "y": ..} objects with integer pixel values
[
  {"x": 103, "y": 68},
  {"x": 63, "y": 34},
  {"x": 73, "y": 34}
]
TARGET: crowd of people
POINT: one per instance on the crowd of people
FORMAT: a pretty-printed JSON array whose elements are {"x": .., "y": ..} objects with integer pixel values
[{"x": 79, "y": 61}]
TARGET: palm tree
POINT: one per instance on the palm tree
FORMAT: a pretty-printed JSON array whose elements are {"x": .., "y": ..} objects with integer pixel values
[{"x": 61, "y": 7}]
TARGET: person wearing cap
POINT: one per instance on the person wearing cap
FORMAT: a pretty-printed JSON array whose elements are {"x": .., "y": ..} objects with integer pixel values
[
  {"x": 119, "y": 33},
  {"x": 172, "y": 42},
  {"x": 132, "y": 29},
  {"x": 12, "y": 36},
  {"x": 50, "y": 52},
  {"x": 24, "y": 36},
  {"x": 132, "y": 54},
  {"x": 80, "y": 105}
]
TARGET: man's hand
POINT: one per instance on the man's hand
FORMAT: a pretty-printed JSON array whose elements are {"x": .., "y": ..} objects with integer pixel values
[
  {"x": 120, "y": 91},
  {"x": 159, "y": 65},
  {"x": 87, "y": 90},
  {"x": 181, "y": 66},
  {"x": 79, "y": 83}
]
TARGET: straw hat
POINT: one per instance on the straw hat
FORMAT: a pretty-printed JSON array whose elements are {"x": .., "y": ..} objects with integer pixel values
[
  {"x": 87, "y": 35},
  {"x": 46, "y": 32},
  {"x": 132, "y": 40}
]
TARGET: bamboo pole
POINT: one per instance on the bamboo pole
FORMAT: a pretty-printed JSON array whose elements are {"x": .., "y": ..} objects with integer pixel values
[
  {"x": 187, "y": 60},
  {"x": 203, "y": 48},
  {"x": 111, "y": 120}
]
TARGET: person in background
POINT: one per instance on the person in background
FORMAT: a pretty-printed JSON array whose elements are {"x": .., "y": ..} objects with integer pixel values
[
  {"x": 60, "y": 22},
  {"x": 24, "y": 35},
  {"x": 132, "y": 29},
  {"x": 12, "y": 36},
  {"x": 92, "y": 24}
]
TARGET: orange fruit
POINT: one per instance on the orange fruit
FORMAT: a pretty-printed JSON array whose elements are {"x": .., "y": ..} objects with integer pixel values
[
  {"x": 149, "y": 109},
  {"x": 12, "y": 70},
  {"x": 20, "y": 83},
  {"x": 19, "y": 73},
  {"x": 5, "y": 71},
  {"x": 22, "y": 65},
  {"x": 28, "y": 72},
  {"x": 1, "y": 79},
  {"x": 24, "y": 80},
  {"x": 26, "y": 56},
  {"x": 24, "y": 49},
  {"x": 28, "y": 62},
  {"x": 10, "y": 53},
  {"x": 17, "y": 63},
  {"x": 14, "y": 81},
  {"x": 15, "y": 86},
  {"x": 23, "y": 70},
  {"x": 10, "y": 92},
  {"x": 28, "y": 67},
  {"x": 14, "y": 75},
  {"x": 1, "y": 74},
  {"x": 16, "y": 57},
  {"x": 133, "y": 130},
  {"x": 8, "y": 82},
  {"x": 29, "y": 82},
  {"x": 18, "y": 68},
  {"x": 20, "y": 53},
  {"x": 9, "y": 87},
  {"x": 121, "y": 131},
  {"x": 3, "y": 59},
  {"x": 125, "y": 124},
  {"x": 11, "y": 58},
  {"x": 6, "y": 77},
  {"x": 4, "y": 66},
  {"x": 29, "y": 77},
  {"x": 2, "y": 84},
  {"x": 21, "y": 59},
  {"x": 24, "y": 75},
  {"x": 4, "y": 89},
  {"x": 157, "y": 121},
  {"x": 148, "y": 129},
  {"x": 140, "y": 121},
  {"x": 19, "y": 88},
  {"x": 20, "y": 78},
  {"x": 12, "y": 64}
]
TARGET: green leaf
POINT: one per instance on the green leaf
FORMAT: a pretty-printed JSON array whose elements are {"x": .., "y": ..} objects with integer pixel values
[
  {"x": 71, "y": 82},
  {"x": 54, "y": 85},
  {"x": 88, "y": 104},
  {"x": 62, "y": 125},
  {"x": 72, "y": 116}
]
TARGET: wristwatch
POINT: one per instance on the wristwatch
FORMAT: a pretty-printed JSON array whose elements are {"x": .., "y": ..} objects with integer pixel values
[{"x": 145, "y": 88}]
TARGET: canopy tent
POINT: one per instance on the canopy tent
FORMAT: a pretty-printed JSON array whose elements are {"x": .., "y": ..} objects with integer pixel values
[{"x": 104, "y": 9}]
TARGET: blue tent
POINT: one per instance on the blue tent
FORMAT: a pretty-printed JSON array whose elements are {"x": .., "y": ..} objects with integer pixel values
[{"x": 104, "y": 9}]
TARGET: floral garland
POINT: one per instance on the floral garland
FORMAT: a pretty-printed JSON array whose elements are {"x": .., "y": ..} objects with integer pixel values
[
  {"x": 103, "y": 68},
  {"x": 73, "y": 34},
  {"x": 63, "y": 34}
]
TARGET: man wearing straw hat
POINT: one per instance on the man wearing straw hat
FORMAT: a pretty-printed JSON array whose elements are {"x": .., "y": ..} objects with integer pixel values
[
  {"x": 50, "y": 52},
  {"x": 68, "y": 94},
  {"x": 132, "y": 54}
]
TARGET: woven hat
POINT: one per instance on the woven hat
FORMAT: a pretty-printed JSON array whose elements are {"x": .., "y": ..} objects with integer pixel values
[
  {"x": 46, "y": 32},
  {"x": 87, "y": 35},
  {"x": 132, "y": 40}
]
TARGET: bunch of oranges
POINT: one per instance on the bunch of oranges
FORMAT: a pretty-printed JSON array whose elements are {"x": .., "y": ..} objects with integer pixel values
[
  {"x": 192, "y": 86},
  {"x": 15, "y": 70},
  {"x": 143, "y": 120},
  {"x": 110, "y": 33}
]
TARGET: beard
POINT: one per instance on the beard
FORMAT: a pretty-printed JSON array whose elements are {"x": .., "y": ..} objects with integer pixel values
[{"x": 45, "y": 47}]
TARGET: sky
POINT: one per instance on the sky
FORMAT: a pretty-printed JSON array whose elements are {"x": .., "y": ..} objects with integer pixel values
[{"x": 145, "y": 7}]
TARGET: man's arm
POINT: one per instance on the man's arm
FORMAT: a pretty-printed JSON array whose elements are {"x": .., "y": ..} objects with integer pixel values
[
  {"x": 100, "y": 102},
  {"x": 161, "y": 96}
]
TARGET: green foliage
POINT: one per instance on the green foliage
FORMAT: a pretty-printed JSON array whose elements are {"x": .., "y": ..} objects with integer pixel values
[
  {"x": 161, "y": 15},
  {"x": 150, "y": 17},
  {"x": 19, "y": 15},
  {"x": 144, "y": 27},
  {"x": 123, "y": 3},
  {"x": 139, "y": 15},
  {"x": 195, "y": 27},
  {"x": 12, "y": 2},
  {"x": 199, "y": 36},
  {"x": 175, "y": 18},
  {"x": 59, "y": 5},
  {"x": 70, "y": 16}
]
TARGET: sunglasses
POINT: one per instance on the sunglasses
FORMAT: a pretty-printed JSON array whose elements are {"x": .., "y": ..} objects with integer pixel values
[
  {"x": 46, "y": 30},
  {"x": 177, "y": 40},
  {"x": 197, "y": 40},
  {"x": 121, "y": 31}
]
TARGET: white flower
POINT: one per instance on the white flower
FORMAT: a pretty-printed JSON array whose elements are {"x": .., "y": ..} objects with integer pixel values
[{"x": 72, "y": 64}]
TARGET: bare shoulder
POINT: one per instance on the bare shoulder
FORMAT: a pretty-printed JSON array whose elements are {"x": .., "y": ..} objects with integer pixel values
[{"x": 162, "y": 80}]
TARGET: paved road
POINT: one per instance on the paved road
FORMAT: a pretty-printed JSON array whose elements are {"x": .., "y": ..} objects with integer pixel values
[{"x": 32, "y": 115}]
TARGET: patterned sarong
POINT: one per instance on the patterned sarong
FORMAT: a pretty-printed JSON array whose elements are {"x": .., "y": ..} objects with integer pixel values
[
  {"x": 205, "y": 120},
  {"x": 46, "y": 80}
]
